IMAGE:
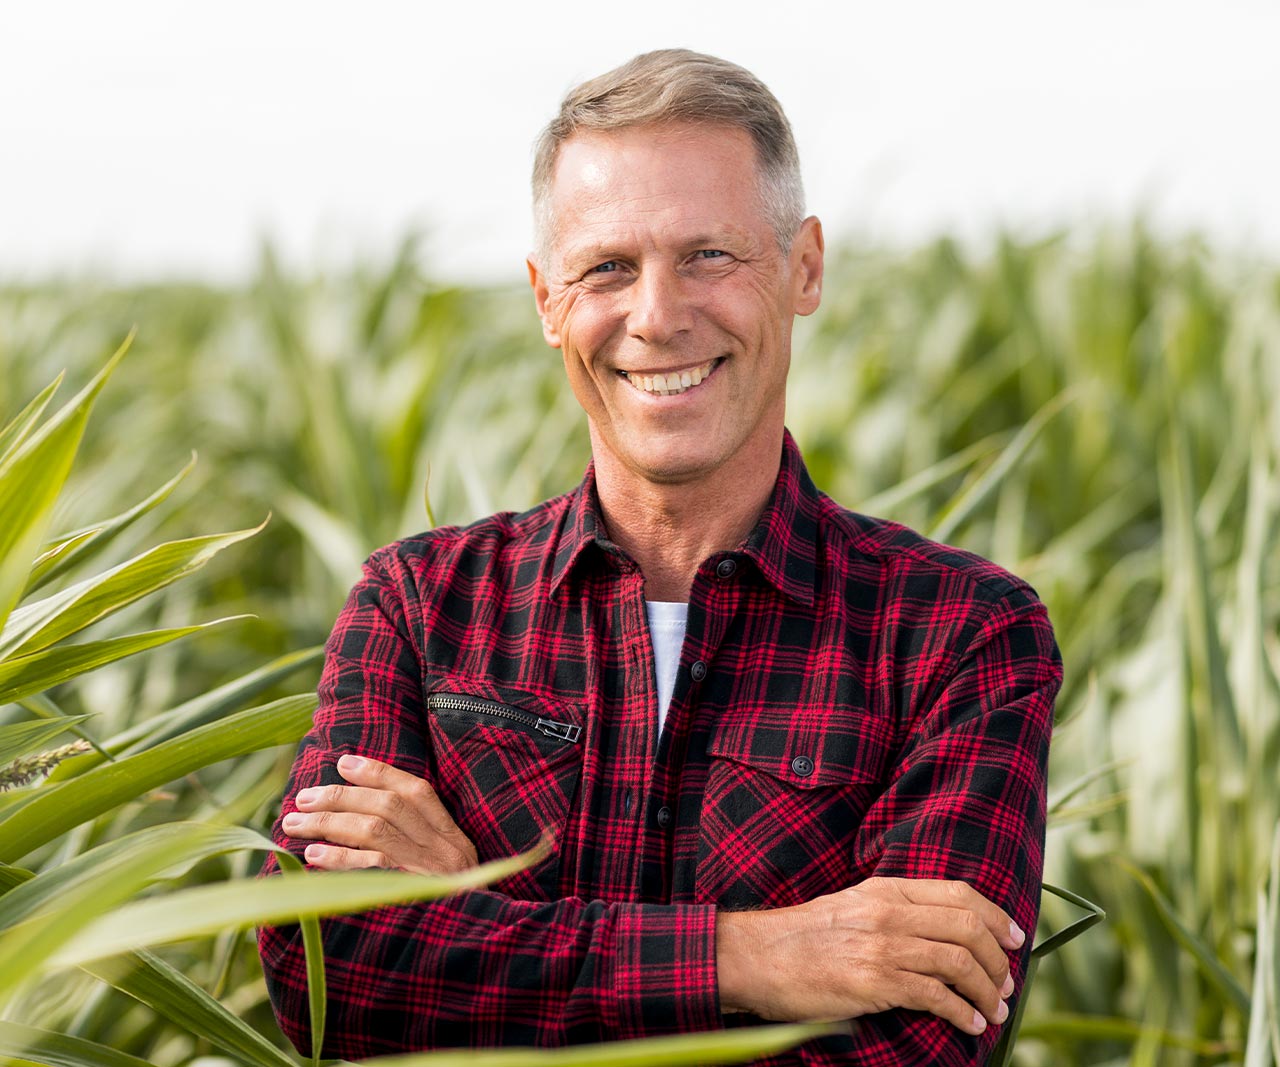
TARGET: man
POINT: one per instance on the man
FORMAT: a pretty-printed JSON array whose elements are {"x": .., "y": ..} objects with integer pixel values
[{"x": 821, "y": 796}]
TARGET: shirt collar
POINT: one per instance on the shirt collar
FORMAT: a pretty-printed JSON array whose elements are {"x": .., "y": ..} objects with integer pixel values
[{"x": 783, "y": 544}]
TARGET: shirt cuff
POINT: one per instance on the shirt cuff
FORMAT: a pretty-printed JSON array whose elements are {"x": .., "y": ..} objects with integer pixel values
[{"x": 664, "y": 978}]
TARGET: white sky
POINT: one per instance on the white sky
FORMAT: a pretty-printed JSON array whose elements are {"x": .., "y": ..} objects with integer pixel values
[{"x": 153, "y": 138}]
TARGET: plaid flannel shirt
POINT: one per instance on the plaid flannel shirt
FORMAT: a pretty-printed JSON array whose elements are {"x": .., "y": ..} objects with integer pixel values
[{"x": 852, "y": 700}]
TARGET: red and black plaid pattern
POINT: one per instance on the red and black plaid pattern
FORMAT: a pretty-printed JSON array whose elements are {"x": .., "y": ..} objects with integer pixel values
[{"x": 852, "y": 700}]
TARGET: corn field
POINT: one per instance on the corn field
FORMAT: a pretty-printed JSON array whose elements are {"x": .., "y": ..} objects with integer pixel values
[{"x": 1100, "y": 413}]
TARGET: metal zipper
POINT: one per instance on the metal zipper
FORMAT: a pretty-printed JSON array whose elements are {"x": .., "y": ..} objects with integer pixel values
[{"x": 562, "y": 731}]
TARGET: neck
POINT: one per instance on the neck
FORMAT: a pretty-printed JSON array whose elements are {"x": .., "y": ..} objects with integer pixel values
[{"x": 669, "y": 529}]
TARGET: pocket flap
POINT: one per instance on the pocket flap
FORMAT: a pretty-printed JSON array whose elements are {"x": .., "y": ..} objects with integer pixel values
[{"x": 840, "y": 750}]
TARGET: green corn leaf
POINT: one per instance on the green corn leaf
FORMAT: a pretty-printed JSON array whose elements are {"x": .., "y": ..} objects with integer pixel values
[
  {"x": 204, "y": 910},
  {"x": 24, "y": 675},
  {"x": 313, "y": 953},
  {"x": 19, "y": 428},
  {"x": 970, "y": 499},
  {"x": 19, "y": 1043},
  {"x": 889, "y": 501},
  {"x": 173, "y": 996},
  {"x": 60, "y": 806},
  {"x": 151, "y": 980},
  {"x": 41, "y": 705},
  {"x": 1257, "y": 1048},
  {"x": 52, "y": 556},
  {"x": 38, "y": 625},
  {"x": 22, "y": 738},
  {"x": 687, "y": 1050},
  {"x": 198, "y": 711},
  {"x": 1059, "y": 1025},
  {"x": 31, "y": 477},
  {"x": 77, "y": 546},
  {"x": 184, "y": 843},
  {"x": 1232, "y": 992},
  {"x": 1093, "y": 915},
  {"x": 52, "y": 923},
  {"x": 1059, "y": 801}
]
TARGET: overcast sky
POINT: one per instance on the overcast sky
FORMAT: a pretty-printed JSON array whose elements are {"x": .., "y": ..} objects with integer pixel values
[{"x": 160, "y": 138}]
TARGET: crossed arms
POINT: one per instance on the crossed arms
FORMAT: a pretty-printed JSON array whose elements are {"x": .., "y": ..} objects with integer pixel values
[{"x": 926, "y": 950}]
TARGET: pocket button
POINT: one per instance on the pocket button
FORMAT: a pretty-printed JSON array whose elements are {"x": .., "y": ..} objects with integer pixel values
[
  {"x": 803, "y": 766},
  {"x": 664, "y": 817}
]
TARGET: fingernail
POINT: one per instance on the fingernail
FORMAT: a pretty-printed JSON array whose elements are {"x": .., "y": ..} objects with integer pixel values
[
  {"x": 351, "y": 763},
  {"x": 1015, "y": 932},
  {"x": 979, "y": 1023},
  {"x": 292, "y": 821},
  {"x": 314, "y": 852},
  {"x": 306, "y": 796},
  {"x": 1002, "y": 1012},
  {"x": 1006, "y": 990}
]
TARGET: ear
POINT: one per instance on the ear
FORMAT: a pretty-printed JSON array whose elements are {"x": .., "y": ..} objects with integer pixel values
[
  {"x": 539, "y": 285},
  {"x": 806, "y": 266}
]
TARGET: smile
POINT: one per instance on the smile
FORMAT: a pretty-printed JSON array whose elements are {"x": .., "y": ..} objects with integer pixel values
[{"x": 676, "y": 382}]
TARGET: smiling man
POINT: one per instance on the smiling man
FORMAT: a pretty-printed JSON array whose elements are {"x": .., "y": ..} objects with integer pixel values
[{"x": 791, "y": 758}]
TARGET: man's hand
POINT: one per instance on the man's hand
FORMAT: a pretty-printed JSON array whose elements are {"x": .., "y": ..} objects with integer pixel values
[
  {"x": 933, "y": 946},
  {"x": 384, "y": 818}
]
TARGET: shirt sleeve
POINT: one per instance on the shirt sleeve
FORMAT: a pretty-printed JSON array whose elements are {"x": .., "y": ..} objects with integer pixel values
[
  {"x": 478, "y": 968},
  {"x": 967, "y": 797}
]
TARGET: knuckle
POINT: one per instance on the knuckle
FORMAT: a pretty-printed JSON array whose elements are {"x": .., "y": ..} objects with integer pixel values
[
  {"x": 420, "y": 791},
  {"x": 956, "y": 960},
  {"x": 375, "y": 827}
]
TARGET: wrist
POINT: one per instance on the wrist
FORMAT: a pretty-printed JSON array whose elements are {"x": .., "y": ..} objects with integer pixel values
[{"x": 737, "y": 965}]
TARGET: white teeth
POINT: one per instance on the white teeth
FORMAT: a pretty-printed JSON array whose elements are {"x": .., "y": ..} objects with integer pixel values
[{"x": 672, "y": 384}]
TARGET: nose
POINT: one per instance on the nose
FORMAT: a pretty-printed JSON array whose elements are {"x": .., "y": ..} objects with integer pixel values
[{"x": 660, "y": 308}]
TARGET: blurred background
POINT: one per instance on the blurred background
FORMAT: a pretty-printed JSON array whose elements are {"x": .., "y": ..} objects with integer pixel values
[{"x": 1050, "y": 334}]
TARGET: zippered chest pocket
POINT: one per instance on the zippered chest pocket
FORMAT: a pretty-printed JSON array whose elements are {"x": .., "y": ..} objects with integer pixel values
[{"x": 508, "y": 775}]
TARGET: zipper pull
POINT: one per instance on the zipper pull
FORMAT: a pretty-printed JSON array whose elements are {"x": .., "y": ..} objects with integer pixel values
[{"x": 565, "y": 731}]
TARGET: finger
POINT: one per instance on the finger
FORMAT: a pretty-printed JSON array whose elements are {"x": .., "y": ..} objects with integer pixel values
[
  {"x": 963, "y": 930},
  {"x": 415, "y": 791},
  {"x": 334, "y": 858},
  {"x": 402, "y": 815},
  {"x": 923, "y": 993},
  {"x": 343, "y": 828},
  {"x": 954, "y": 966},
  {"x": 956, "y": 894},
  {"x": 372, "y": 833}
]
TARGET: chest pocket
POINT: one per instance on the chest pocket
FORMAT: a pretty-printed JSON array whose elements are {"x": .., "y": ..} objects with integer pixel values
[
  {"x": 783, "y": 803},
  {"x": 508, "y": 774}
]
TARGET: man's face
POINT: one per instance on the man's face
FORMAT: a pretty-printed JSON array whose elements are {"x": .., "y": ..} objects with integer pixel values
[{"x": 667, "y": 292}]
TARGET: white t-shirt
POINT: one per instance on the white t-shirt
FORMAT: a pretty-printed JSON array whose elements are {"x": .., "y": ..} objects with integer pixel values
[{"x": 666, "y": 629}]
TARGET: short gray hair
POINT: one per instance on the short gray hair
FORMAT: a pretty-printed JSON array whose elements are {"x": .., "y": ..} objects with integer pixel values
[{"x": 674, "y": 85}]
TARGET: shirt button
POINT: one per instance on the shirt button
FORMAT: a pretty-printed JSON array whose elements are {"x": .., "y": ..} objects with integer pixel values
[
  {"x": 803, "y": 766},
  {"x": 698, "y": 670},
  {"x": 725, "y": 568},
  {"x": 664, "y": 817}
]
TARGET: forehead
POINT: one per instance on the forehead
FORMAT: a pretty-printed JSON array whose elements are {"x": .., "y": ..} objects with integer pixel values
[{"x": 666, "y": 176}]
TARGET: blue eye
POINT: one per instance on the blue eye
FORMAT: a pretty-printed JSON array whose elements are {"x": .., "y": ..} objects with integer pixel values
[
  {"x": 709, "y": 253},
  {"x": 604, "y": 268}
]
